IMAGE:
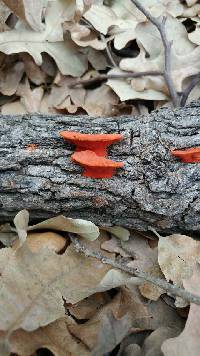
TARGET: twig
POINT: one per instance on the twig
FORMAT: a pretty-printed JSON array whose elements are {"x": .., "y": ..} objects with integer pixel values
[
  {"x": 176, "y": 291},
  {"x": 160, "y": 25},
  {"x": 114, "y": 76},
  {"x": 189, "y": 88},
  {"x": 108, "y": 51}
]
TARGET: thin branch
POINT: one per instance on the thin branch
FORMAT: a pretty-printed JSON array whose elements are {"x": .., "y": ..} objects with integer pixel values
[
  {"x": 102, "y": 77},
  {"x": 108, "y": 51},
  {"x": 172, "y": 289},
  {"x": 160, "y": 25},
  {"x": 189, "y": 88}
]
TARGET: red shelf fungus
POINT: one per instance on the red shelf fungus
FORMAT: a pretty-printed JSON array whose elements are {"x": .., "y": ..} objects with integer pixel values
[
  {"x": 188, "y": 155},
  {"x": 97, "y": 143},
  {"x": 96, "y": 166}
]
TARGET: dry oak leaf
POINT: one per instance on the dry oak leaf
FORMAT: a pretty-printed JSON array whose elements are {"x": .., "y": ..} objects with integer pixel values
[
  {"x": 177, "y": 257},
  {"x": 118, "y": 231},
  {"x": 185, "y": 62},
  {"x": 126, "y": 89},
  {"x": 10, "y": 78},
  {"x": 84, "y": 228},
  {"x": 100, "y": 101},
  {"x": 188, "y": 342},
  {"x": 55, "y": 337},
  {"x": 114, "y": 245},
  {"x": 108, "y": 326},
  {"x": 145, "y": 259},
  {"x": 30, "y": 99},
  {"x": 15, "y": 108},
  {"x": 28, "y": 10},
  {"x": 87, "y": 308},
  {"x": 83, "y": 36},
  {"x": 33, "y": 285},
  {"x": 153, "y": 342},
  {"x": 34, "y": 73},
  {"x": 65, "y": 53},
  {"x": 64, "y": 97}
]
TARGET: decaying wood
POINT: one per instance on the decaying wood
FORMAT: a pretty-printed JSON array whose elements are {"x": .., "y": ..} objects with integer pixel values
[{"x": 154, "y": 188}]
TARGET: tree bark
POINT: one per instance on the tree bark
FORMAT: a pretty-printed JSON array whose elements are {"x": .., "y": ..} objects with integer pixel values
[{"x": 153, "y": 189}]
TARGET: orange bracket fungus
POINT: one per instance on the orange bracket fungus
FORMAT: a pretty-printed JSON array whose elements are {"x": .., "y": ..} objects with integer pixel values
[
  {"x": 94, "y": 165},
  {"x": 188, "y": 155},
  {"x": 97, "y": 143}
]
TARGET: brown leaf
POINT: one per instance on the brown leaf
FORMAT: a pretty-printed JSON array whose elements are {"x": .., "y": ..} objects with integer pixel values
[
  {"x": 37, "y": 282},
  {"x": 100, "y": 101},
  {"x": 33, "y": 71},
  {"x": 188, "y": 342},
  {"x": 21, "y": 221},
  {"x": 145, "y": 259},
  {"x": 64, "y": 97},
  {"x": 55, "y": 337},
  {"x": 114, "y": 245},
  {"x": 30, "y": 98},
  {"x": 37, "y": 241},
  {"x": 15, "y": 108},
  {"x": 10, "y": 78},
  {"x": 177, "y": 256},
  {"x": 153, "y": 342},
  {"x": 28, "y": 10},
  {"x": 87, "y": 308},
  {"x": 153, "y": 315},
  {"x": 84, "y": 228},
  {"x": 107, "y": 328}
]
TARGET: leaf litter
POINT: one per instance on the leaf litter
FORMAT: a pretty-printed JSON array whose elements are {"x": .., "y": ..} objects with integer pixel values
[{"x": 53, "y": 297}]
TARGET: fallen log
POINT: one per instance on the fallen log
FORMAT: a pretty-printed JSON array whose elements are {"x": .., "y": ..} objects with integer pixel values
[{"x": 153, "y": 189}]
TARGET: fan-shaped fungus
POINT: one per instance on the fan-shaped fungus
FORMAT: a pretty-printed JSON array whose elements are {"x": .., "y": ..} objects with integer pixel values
[
  {"x": 96, "y": 166},
  {"x": 97, "y": 143},
  {"x": 188, "y": 155}
]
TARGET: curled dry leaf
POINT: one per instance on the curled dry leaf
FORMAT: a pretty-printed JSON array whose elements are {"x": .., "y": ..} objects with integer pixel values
[
  {"x": 84, "y": 228},
  {"x": 21, "y": 223},
  {"x": 118, "y": 231},
  {"x": 83, "y": 36}
]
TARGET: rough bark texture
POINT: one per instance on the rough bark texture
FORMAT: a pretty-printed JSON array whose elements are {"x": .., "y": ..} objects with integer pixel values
[{"x": 154, "y": 188}]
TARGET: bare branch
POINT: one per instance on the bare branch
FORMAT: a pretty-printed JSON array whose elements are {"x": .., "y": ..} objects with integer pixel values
[
  {"x": 160, "y": 25},
  {"x": 172, "y": 289},
  {"x": 108, "y": 51},
  {"x": 195, "y": 80},
  {"x": 102, "y": 77}
]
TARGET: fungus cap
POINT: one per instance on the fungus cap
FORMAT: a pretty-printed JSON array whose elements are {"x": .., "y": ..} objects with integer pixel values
[
  {"x": 94, "y": 165},
  {"x": 188, "y": 155},
  {"x": 98, "y": 143}
]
